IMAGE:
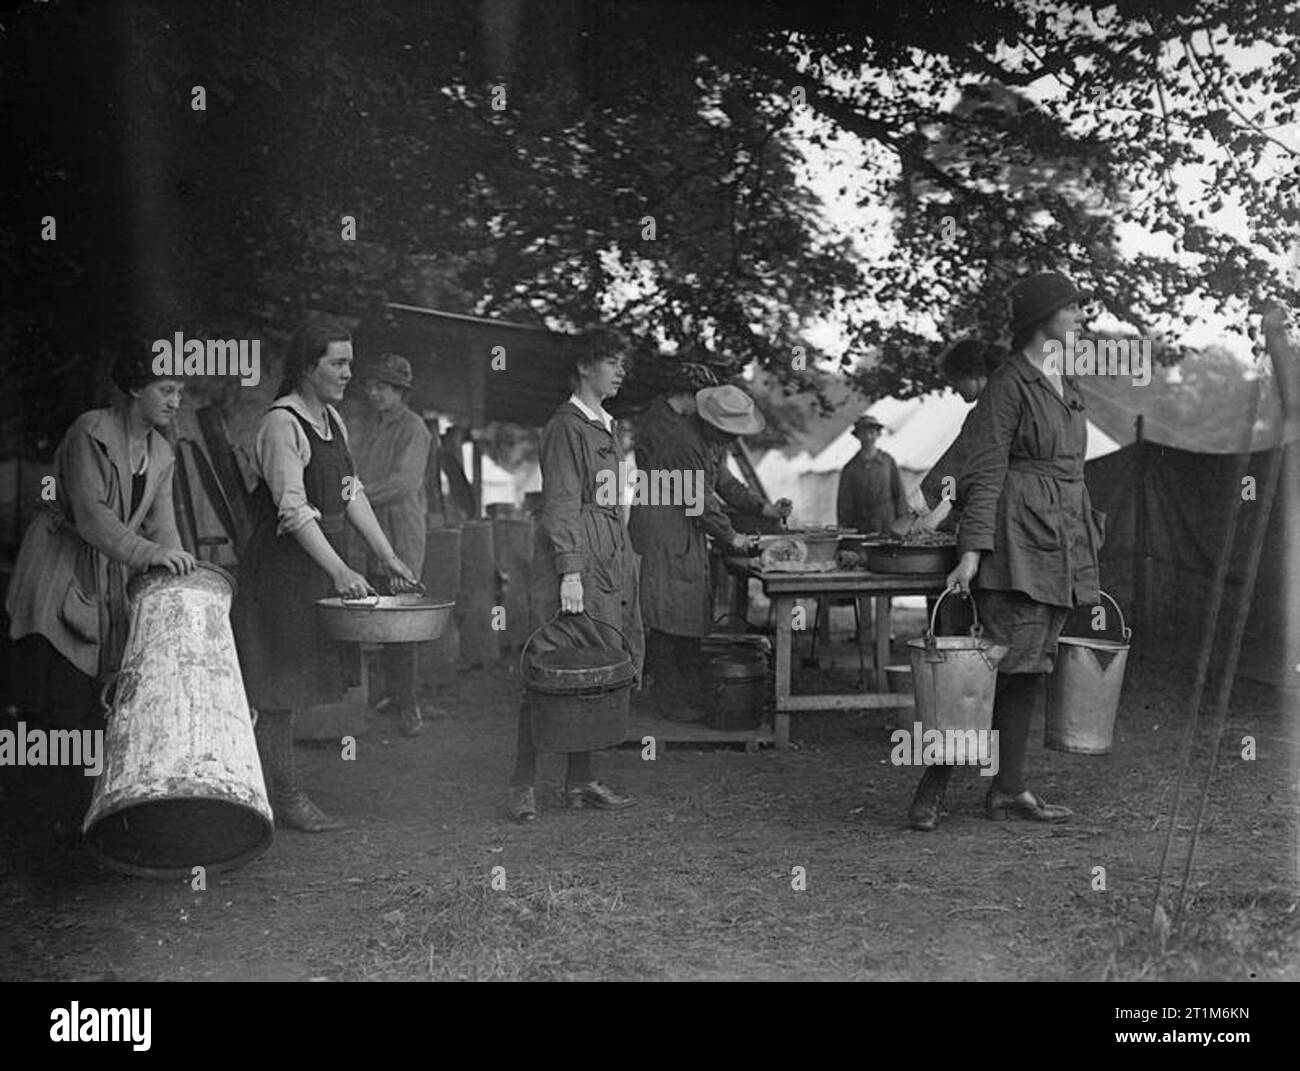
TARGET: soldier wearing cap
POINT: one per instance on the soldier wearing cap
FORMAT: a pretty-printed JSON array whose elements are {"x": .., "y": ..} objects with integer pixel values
[
  {"x": 871, "y": 495},
  {"x": 391, "y": 460}
]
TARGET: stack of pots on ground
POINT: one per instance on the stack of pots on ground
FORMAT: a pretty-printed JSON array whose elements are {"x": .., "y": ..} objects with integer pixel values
[{"x": 478, "y": 639}]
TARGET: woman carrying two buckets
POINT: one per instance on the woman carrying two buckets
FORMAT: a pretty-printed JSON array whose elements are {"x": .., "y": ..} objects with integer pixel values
[
  {"x": 584, "y": 592},
  {"x": 1029, "y": 537}
]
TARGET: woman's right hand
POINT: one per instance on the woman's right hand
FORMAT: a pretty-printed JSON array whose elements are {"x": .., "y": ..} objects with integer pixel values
[
  {"x": 176, "y": 561},
  {"x": 351, "y": 585},
  {"x": 571, "y": 593},
  {"x": 961, "y": 577}
]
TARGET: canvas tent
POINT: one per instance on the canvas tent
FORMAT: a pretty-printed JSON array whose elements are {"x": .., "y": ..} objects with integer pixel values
[{"x": 917, "y": 432}]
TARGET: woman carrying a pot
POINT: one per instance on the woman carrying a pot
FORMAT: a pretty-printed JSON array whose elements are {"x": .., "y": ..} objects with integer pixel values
[
  {"x": 583, "y": 561},
  {"x": 308, "y": 490},
  {"x": 110, "y": 515},
  {"x": 1028, "y": 537}
]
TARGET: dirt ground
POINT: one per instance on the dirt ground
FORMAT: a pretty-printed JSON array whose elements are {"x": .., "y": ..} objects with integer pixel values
[{"x": 696, "y": 882}]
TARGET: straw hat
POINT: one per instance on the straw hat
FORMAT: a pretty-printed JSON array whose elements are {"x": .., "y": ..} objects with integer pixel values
[{"x": 729, "y": 409}]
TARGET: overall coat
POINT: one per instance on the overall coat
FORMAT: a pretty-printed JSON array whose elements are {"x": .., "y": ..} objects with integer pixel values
[
  {"x": 675, "y": 591},
  {"x": 1024, "y": 501},
  {"x": 580, "y": 529},
  {"x": 69, "y": 583}
]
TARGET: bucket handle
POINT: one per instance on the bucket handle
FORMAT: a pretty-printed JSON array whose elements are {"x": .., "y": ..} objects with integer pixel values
[
  {"x": 1124, "y": 630},
  {"x": 554, "y": 618},
  {"x": 932, "y": 652},
  {"x": 976, "y": 630}
]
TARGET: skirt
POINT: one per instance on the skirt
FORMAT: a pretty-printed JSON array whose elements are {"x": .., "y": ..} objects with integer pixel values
[
  {"x": 288, "y": 661},
  {"x": 1029, "y": 628}
]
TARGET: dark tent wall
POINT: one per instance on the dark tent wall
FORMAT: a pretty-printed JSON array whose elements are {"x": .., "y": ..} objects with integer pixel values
[{"x": 1185, "y": 503}]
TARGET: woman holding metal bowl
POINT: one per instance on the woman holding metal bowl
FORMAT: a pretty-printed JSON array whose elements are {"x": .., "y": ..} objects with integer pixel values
[{"x": 1028, "y": 537}]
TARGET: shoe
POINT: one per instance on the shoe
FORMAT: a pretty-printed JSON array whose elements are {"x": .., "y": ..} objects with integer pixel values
[
  {"x": 289, "y": 803},
  {"x": 523, "y": 804},
  {"x": 294, "y": 810},
  {"x": 927, "y": 803},
  {"x": 595, "y": 794},
  {"x": 1002, "y": 805},
  {"x": 412, "y": 723}
]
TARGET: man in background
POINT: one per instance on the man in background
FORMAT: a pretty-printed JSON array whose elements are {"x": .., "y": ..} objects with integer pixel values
[{"x": 871, "y": 495}]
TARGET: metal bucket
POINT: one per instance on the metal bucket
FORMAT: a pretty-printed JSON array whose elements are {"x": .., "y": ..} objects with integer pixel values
[
  {"x": 182, "y": 783},
  {"x": 739, "y": 690},
  {"x": 1084, "y": 695},
  {"x": 578, "y": 694},
  {"x": 954, "y": 680}
]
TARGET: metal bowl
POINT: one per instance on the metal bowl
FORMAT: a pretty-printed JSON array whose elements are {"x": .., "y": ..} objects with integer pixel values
[
  {"x": 900, "y": 558},
  {"x": 384, "y": 618}
]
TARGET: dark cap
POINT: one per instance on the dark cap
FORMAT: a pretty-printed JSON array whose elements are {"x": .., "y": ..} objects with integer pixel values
[
  {"x": 867, "y": 423},
  {"x": 1036, "y": 297}
]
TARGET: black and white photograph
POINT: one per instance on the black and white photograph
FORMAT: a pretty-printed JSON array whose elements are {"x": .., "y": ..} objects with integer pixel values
[{"x": 625, "y": 491}]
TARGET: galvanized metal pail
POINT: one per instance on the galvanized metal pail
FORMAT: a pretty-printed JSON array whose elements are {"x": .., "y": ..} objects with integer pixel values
[
  {"x": 1084, "y": 695},
  {"x": 954, "y": 680},
  {"x": 182, "y": 783}
]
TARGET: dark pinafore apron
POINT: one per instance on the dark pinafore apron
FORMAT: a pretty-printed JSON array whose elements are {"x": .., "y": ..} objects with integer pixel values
[{"x": 287, "y": 660}]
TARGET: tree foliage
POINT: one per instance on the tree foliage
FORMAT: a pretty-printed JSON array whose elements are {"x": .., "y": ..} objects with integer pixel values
[{"x": 632, "y": 162}]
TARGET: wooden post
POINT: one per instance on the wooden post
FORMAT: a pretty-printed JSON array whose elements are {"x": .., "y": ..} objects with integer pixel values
[{"x": 1141, "y": 608}]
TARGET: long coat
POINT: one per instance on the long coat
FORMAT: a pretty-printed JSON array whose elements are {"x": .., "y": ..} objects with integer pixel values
[
  {"x": 870, "y": 496},
  {"x": 391, "y": 456},
  {"x": 580, "y": 529},
  {"x": 675, "y": 593},
  {"x": 69, "y": 583},
  {"x": 1024, "y": 501}
]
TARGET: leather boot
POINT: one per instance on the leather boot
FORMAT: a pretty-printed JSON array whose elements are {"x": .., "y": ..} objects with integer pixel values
[
  {"x": 923, "y": 815},
  {"x": 289, "y": 803}
]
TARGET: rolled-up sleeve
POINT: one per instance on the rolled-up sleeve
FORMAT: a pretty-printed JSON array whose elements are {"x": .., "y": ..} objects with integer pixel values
[
  {"x": 283, "y": 452},
  {"x": 988, "y": 434}
]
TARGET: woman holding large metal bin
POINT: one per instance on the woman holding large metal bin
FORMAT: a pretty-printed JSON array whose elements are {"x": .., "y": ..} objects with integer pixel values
[
  {"x": 583, "y": 562},
  {"x": 308, "y": 490},
  {"x": 1028, "y": 536},
  {"x": 110, "y": 514}
]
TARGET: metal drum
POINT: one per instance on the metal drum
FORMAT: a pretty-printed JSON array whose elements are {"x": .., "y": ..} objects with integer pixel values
[
  {"x": 438, "y": 658},
  {"x": 512, "y": 542},
  {"x": 182, "y": 783},
  {"x": 479, "y": 641}
]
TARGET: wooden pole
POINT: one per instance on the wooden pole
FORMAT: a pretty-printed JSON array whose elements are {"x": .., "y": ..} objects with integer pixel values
[{"x": 1141, "y": 590}]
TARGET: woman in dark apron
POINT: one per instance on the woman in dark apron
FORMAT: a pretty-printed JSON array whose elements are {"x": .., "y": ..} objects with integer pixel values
[
  {"x": 1028, "y": 536},
  {"x": 308, "y": 490},
  {"x": 582, "y": 558}
]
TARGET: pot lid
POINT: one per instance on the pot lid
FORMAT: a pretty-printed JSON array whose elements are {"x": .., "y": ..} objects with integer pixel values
[{"x": 578, "y": 668}]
